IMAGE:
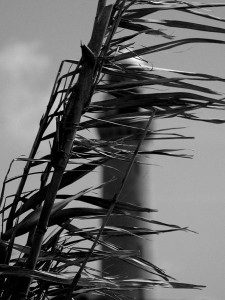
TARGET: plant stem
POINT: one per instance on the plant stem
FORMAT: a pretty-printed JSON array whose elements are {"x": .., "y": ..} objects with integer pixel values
[
  {"x": 78, "y": 100},
  {"x": 37, "y": 141}
]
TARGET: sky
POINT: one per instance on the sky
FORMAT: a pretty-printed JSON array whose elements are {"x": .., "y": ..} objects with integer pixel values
[{"x": 35, "y": 37}]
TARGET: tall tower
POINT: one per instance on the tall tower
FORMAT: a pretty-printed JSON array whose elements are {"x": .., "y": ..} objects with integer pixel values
[{"x": 134, "y": 192}]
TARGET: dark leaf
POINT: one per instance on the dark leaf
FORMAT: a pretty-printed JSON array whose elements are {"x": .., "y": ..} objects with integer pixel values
[{"x": 68, "y": 178}]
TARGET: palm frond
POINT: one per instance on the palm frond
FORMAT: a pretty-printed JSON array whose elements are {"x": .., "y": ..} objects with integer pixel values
[{"x": 53, "y": 257}]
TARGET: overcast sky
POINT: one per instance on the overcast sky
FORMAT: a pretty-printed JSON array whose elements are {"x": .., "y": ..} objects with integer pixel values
[{"x": 35, "y": 36}]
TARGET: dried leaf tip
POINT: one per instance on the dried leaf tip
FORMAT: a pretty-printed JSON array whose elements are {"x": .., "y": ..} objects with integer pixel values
[{"x": 87, "y": 55}]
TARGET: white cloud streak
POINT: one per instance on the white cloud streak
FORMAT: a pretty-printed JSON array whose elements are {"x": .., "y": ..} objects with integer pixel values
[{"x": 24, "y": 89}]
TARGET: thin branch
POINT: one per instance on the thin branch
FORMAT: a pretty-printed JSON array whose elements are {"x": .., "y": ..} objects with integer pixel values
[{"x": 109, "y": 212}]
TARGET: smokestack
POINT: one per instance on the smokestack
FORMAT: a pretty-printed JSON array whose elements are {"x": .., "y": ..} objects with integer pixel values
[{"x": 133, "y": 191}]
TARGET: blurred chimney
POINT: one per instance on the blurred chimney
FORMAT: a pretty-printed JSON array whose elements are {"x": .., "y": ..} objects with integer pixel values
[{"x": 132, "y": 193}]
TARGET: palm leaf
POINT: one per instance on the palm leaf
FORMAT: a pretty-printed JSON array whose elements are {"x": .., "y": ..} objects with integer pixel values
[
  {"x": 68, "y": 178},
  {"x": 111, "y": 64}
]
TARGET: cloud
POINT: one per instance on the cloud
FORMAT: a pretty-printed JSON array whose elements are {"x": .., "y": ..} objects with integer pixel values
[
  {"x": 24, "y": 89},
  {"x": 20, "y": 60}
]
